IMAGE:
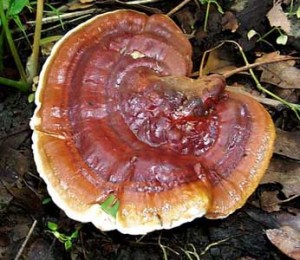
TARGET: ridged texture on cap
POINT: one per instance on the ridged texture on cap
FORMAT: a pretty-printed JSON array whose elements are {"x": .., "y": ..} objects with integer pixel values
[{"x": 118, "y": 116}]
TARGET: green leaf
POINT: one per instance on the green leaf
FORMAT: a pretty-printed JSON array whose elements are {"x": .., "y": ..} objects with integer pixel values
[
  {"x": 298, "y": 12},
  {"x": 68, "y": 244},
  {"x": 220, "y": 10},
  {"x": 17, "y": 6},
  {"x": 74, "y": 234},
  {"x": 282, "y": 39},
  {"x": 21, "y": 27},
  {"x": 57, "y": 235},
  {"x": 111, "y": 205},
  {"x": 251, "y": 33},
  {"x": 30, "y": 100},
  {"x": 52, "y": 226},
  {"x": 6, "y": 4}
]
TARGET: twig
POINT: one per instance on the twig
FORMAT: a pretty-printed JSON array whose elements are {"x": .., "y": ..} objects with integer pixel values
[
  {"x": 294, "y": 107},
  {"x": 266, "y": 101},
  {"x": 26, "y": 240},
  {"x": 137, "y": 2},
  {"x": 256, "y": 64},
  {"x": 36, "y": 44},
  {"x": 244, "y": 68},
  {"x": 178, "y": 7},
  {"x": 209, "y": 246},
  {"x": 52, "y": 19},
  {"x": 290, "y": 198},
  {"x": 163, "y": 248},
  {"x": 83, "y": 248},
  {"x": 57, "y": 26}
]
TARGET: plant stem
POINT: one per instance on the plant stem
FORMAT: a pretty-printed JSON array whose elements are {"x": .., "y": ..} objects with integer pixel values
[
  {"x": 11, "y": 43},
  {"x": 293, "y": 107},
  {"x": 36, "y": 42},
  {"x": 267, "y": 34},
  {"x": 1, "y": 49},
  {"x": 206, "y": 17},
  {"x": 20, "y": 85}
]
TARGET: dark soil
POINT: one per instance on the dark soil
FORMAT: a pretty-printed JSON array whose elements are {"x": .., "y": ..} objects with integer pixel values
[{"x": 24, "y": 198}]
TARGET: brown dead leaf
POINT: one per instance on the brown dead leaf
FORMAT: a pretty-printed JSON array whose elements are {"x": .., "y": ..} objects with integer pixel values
[
  {"x": 287, "y": 144},
  {"x": 229, "y": 22},
  {"x": 287, "y": 240},
  {"x": 238, "y": 88},
  {"x": 187, "y": 20},
  {"x": 278, "y": 18},
  {"x": 289, "y": 219},
  {"x": 269, "y": 201},
  {"x": 79, "y": 5},
  {"x": 288, "y": 94},
  {"x": 269, "y": 57},
  {"x": 285, "y": 172},
  {"x": 282, "y": 74},
  {"x": 216, "y": 64},
  {"x": 40, "y": 249}
]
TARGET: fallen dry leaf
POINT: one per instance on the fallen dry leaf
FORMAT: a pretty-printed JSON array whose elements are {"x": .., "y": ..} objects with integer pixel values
[
  {"x": 278, "y": 18},
  {"x": 287, "y": 144},
  {"x": 285, "y": 172},
  {"x": 230, "y": 22},
  {"x": 282, "y": 74},
  {"x": 238, "y": 88},
  {"x": 287, "y": 240},
  {"x": 78, "y": 5},
  {"x": 290, "y": 218},
  {"x": 269, "y": 201},
  {"x": 271, "y": 56},
  {"x": 217, "y": 64}
]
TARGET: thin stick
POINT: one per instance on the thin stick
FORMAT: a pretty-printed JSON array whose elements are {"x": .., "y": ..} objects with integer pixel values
[
  {"x": 178, "y": 7},
  {"x": 290, "y": 198},
  {"x": 256, "y": 64},
  {"x": 37, "y": 38},
  {"x": 26, "y": 240},
  {"x": 266, "y": 101},
  {"x": 55, "y": 18},
  {"x": 137, "y": 2}
]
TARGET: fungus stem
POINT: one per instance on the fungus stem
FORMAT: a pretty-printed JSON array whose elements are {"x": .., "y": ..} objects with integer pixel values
[{"x": 11, "y": 43}]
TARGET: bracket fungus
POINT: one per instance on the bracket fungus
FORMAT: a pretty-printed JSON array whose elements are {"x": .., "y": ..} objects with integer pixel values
[{"x": 125, "y": 140}]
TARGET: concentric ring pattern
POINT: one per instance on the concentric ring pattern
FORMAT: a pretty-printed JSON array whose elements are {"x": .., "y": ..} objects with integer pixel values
[{"x": 117, "y": 115}]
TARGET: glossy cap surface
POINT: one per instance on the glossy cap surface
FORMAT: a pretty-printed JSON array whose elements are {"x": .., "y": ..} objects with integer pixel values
[{"x": 118, "y": 116}]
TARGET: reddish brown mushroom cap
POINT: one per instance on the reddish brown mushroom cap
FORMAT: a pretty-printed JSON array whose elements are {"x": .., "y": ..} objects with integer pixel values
[{"x": 116, "y": 115}]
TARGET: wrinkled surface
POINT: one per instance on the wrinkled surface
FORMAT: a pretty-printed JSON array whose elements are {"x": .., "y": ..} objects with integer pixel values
[{"x": 118, "y": 116}]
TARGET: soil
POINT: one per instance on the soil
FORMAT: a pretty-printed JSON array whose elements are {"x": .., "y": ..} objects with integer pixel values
[{"x": 24, "y": 198}]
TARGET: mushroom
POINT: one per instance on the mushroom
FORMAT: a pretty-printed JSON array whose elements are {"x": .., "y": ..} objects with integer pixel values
[{"x": 125, "y": 140}]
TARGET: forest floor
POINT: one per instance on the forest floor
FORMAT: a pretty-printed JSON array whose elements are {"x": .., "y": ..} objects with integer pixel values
[{"x": 26, "y": 208}]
